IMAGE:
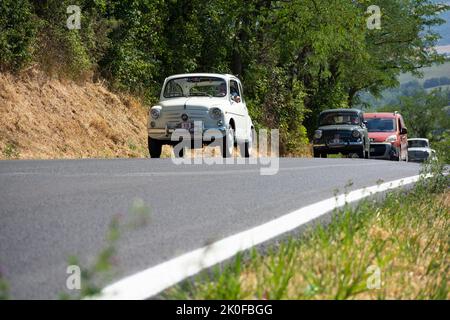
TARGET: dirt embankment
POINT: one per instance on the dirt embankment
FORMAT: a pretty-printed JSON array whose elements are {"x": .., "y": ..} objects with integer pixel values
[{"x": 43, "y": 118}]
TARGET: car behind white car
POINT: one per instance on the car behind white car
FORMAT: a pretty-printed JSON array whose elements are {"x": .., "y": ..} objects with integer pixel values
[{"x": 419, "y": 150}]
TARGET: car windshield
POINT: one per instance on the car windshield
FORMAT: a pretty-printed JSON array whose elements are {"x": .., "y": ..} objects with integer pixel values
[
  {"x": 336, "y": 118},
  {"x": 380, "y": 125},
  {"x": 417, "y": 144},
  {"x": 195, "y": 87}
]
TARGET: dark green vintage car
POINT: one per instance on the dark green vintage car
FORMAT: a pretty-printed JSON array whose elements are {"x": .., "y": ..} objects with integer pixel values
[{"x": 342, "y": 131}]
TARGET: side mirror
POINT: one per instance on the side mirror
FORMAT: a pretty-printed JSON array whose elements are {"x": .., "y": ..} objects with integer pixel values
[
  {"x": 365, "y": 123},
  {"x": 403, "y": 131},
  {"x": 237, "y": 99}
]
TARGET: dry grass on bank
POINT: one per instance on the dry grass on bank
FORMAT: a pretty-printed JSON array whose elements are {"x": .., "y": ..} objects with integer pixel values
[{"x": 44, "y": 118}]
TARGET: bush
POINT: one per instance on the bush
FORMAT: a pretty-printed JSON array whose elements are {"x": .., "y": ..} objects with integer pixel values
[
  {"x": 276, "y": 105},
  {"x": 61, "y": 52},
  {"x": 17, "y": 31},
  {"x": 443, "y": 148},
  {"x": 132, "y": 62}
]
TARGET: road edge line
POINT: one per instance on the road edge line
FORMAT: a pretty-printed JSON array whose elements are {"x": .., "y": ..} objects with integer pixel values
[{"x": 151, "y": 281}]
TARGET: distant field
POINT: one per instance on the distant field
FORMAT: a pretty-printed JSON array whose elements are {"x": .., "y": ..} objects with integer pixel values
[{"x": 437, "y": 71}]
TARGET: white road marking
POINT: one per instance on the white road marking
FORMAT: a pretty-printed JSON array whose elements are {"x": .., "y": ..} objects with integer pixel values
[{"x": 154, "y": 280}]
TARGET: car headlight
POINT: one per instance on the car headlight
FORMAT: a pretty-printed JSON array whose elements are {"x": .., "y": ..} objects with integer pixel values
[
  {"x": 355, "y": 134},
  {"x": 318, "y": 134},
  {"x": 391, "y": 139},
  {"x": 215, "y": 113},
  {"x": 155, "y": 113}
]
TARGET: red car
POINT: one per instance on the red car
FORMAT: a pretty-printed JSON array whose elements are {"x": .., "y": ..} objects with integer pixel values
[{"x": 388, "y": 136}]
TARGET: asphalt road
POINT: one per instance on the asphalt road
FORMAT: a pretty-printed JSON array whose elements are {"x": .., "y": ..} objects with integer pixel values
[{"x": 50, "y": 210}]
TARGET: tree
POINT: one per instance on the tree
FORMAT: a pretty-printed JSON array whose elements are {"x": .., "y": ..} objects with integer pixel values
[
  {"x": 425, "y": 113},
  {"x": 405, "y": 43},
  {"x": 133, "y": 62}
]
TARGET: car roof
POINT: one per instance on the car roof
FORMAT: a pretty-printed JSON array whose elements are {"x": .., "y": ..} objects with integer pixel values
[
  {"x": 386, "y": 115},
  {"x": 217, "y": 75},
  {"x": 341, "y": 110}
]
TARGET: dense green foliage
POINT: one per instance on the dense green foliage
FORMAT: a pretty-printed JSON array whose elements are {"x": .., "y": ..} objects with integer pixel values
[
  {"x": 17, "y": 32},
  {"x": 295, "y": 57}
]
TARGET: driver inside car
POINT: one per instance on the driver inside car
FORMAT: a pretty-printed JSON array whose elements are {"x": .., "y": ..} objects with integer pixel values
[
  {"x": 355, "y": 120},
  {"x": 222, "y": 90}
]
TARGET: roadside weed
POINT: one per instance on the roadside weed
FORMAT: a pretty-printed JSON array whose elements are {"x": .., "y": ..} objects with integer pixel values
[
  {"x": 391, "y": 249},
  {"x": 102, "y": 270},
  {"x": 10, "y": 151}
]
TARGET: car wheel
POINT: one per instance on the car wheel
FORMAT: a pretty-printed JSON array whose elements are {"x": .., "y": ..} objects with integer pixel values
[
  {"x": 228, "y": 143},
  {"x": 362, "y": 154},
  {"x": 154, "y": 148},
  {"x": 396, "y": 158},
  {"x": 247, "y": 147},
  {"x": 316, "y": 154}
]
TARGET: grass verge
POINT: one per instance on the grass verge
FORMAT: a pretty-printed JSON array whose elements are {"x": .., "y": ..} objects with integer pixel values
[{"x": 396, "y": 249}]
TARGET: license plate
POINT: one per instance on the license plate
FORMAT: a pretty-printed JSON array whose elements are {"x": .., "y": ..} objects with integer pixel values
[
  {"x": 186, "y": 125},
  {"x": 372, "y": 149},
  {"x": 336, "y": 141}
]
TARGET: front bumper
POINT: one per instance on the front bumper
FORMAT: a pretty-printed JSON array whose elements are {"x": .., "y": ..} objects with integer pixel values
[
  {"x": 383, "y": 150},
  {"x": 349, "y": 147},
  {"x": 165, "y": 134},
  {"x": 417, "y": 156}
]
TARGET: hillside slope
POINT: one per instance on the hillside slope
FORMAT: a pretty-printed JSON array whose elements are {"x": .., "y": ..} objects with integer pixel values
[{"x": 43, "y": 118}]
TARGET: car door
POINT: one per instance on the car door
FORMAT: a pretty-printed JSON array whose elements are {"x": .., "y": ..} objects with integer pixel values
[
  {"x": 238, "y": 110},
  {"x": 403, "y": 137},
  {"x": 365, "y": 132},
  {"x": 247, "y": 120}
]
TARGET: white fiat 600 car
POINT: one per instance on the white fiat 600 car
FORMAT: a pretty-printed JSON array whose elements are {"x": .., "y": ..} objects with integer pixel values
[
  {"x": 206, "y": 103},
  {"x": 419, "y": 150}
]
